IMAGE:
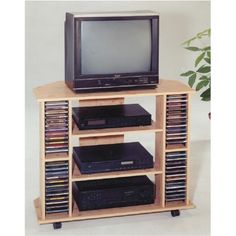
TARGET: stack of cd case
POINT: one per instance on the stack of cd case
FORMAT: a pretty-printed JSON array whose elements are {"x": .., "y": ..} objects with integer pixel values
[
  {"x": 56, "y": 187},
  {"x": 175, "y": 184},
  {"x": 56, "y": 127},
  {"x": 176, "y": 119}
]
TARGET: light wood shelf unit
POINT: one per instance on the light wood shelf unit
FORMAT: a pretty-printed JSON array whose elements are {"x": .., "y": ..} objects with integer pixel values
[
  {"x": 77, "y": 176},
  {"x": 114, "y": 131},
  {"x": 176, "y": 148},
  {"x": 56, "y": 157},
  {"x": 58, "y": 91},
  {"x": 104, "y": 213}
]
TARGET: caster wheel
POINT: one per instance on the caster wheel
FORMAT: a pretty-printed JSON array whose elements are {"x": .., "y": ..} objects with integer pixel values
[
  {"x": 57, "y": 225},
  {"x": 175, "y": 213}
]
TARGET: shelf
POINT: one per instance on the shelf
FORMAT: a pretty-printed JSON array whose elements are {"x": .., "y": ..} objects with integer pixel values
[
  {"x": 114, "y": 131},
  {"x": 58, "y": 91},
  {"x": 175, "y": 203},
  {"x": 176, "y": 148},
  {"x": 77, "y": 176},
  {"x": 57, "y": 157},
  {"x": 95, "y": 214}
]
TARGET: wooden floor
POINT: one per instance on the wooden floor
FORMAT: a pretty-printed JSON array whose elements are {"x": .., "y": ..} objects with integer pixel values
[{"x": 113, "y": 212}]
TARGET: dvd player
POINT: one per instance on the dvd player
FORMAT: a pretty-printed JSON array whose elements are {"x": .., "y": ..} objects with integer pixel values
[
  {"x": 112, "y": 157},
  {"x": 114, "y": 116},
  {"x": 117, "y": 192}
]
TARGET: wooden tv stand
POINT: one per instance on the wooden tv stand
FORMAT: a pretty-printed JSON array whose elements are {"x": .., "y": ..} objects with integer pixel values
[{"x": 58, "y": 91}]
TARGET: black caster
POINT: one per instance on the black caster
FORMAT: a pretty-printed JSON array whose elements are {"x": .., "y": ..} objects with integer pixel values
[
  {"x": 175, "y": 213},
  {"x": 57, "y": 225}
]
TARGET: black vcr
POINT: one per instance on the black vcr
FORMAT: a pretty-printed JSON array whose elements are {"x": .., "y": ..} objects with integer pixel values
[
  {"x": 109, "y": 193},
  {"x": 111, "y": 116},
  {"x": 112, "y": 157}
]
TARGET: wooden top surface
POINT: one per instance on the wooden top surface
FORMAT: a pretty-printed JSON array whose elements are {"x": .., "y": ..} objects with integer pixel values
[{"x": 59, "y": 91}]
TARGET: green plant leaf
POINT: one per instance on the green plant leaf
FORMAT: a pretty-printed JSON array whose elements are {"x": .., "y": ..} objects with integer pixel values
[
  {"x": 207, "y": 48},
  {"x": 209, "y": 54},
  {"x": 204, "y": 69},
  {"x": 188, "y": 42},
  {"x": 191, "y": 80},
  {"x": 209, "y": 32},
  {"x": 188, "y": 73},
  {"x": 193, "y": 48},
  {"x": 206, "y": 95},
  {"x": 204, "y": 77},
  {"x": 199, "y": 58},
  {"x": 208, "y": 60},
  {"x": 206, "y": 99},
  {"x": 202, "y": 84}
]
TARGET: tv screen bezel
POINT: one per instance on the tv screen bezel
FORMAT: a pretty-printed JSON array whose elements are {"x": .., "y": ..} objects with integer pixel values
[{"x": 154, "y": 70}]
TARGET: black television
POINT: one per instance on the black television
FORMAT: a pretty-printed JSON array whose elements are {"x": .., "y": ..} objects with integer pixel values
[{"x": 111, "y": 51}]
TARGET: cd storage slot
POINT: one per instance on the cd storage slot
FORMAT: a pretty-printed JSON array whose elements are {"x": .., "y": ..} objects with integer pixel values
[
  {"x": 56, "y": 187},
  {"x": 176, "y": 120},
  {"x": 175, "y": 170},
  {"x": 56, "y": 127}
]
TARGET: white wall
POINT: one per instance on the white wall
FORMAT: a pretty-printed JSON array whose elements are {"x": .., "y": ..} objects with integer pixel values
[{"x": 179, "y": 20}]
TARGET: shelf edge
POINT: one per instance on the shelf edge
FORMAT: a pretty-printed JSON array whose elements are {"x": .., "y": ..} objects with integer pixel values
[{"x": 125, "y": 212}]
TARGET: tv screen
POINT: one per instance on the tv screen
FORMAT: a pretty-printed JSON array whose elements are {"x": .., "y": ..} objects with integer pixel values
[
  {"x": 109, "y": 47},
  {"x": 111, "y": 51}
]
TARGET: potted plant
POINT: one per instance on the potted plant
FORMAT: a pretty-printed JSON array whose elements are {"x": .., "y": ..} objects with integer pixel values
[{"x": 199, "y": 77}]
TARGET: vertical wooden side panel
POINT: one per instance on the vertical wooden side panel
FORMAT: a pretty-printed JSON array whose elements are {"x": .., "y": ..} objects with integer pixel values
[
  {"x": 160, "y": 137},
  {"x": 160, "y": 106},
  {"x": 42, "y": 158},
  {"x": 70, "y": 158},
  {"x": 160, "y": 149},
  {"x": 188, "y": 150}
]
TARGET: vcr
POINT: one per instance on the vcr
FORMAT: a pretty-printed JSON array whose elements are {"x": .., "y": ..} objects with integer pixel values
[
  {"x": 114, "y": 116},
  {"x": 112, "y": 157},
  {"x": 109, "y": 193}
]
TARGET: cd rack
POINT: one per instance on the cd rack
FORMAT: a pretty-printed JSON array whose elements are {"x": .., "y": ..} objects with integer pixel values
[
  {"x": 176, "y": 120},
  {"x": 56, "y": 187},
  {"x": 175, "y": 172},
  {"x": 59, "y": 133},
  {"x": 56, "y": 127}
]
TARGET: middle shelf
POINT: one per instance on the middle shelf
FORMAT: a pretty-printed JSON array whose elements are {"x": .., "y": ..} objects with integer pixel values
[
  {"x": 77, "y": 176},
  {"x": 154, "y": 127}
]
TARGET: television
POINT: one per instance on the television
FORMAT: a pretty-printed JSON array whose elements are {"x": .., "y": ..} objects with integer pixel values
[{"x": 111, "y": 51}]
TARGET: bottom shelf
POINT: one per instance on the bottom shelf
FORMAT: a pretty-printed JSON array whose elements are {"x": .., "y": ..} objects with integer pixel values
[{"x": 95, "y": 214}]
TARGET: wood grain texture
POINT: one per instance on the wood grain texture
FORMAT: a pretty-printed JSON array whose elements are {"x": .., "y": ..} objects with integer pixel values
[
  {"x": 114, "y": 131},
  {"x": 101, "y": 102},
  {"x": 56, "y": 157},
  {"x": 58, "y": 91},
  {"x": 77, "y": 176},
  {"x": 101, "y": 140},
  {"x": 113, "y": 212},
  {"x": 176, "y": 148},
  {"x": 160, "y": 148}
]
